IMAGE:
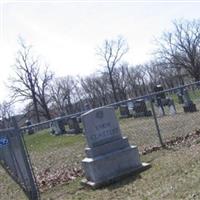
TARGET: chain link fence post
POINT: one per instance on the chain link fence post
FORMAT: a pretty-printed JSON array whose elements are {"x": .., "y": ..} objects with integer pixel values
[{"x": 156, "y": 123}]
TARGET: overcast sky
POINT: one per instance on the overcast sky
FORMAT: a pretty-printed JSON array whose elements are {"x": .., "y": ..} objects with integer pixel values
[{"x": 65, "y": 35}]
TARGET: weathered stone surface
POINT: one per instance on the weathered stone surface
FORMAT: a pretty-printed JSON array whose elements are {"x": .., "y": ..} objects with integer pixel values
[
  {"x": 102, "y": 168},
  {"x": 107, "y": 147},
  {"x": 101, "y": 126}
]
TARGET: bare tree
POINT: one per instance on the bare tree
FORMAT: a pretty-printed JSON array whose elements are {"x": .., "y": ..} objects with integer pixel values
[
  {"x": 121, "y": 80},
  {"x": 111, "y": 53},
  {"x": 23, "y": 85},
  {"x": 6, "y": 111},
  {"x": 63, "y": 92},
  {"x": 43, "y": 91},
  {"x": 181, "y": 47},
  {"x": 96, "y": 89}
]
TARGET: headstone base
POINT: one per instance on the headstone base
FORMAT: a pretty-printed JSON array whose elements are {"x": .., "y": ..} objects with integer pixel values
[
  {"x": 132, "y": 172},
  {"x": 190, "y": 108},
  {"x": 105, "y": 169}
]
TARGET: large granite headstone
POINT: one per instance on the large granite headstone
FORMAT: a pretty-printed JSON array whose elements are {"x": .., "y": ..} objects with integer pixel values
[
  {"x": 188, "y": 106},
  {"x": 109, "y": 155}
]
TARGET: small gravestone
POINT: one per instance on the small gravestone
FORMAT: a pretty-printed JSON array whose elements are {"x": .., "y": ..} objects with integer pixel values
[
  {"x": 58, "y": 126},
  {"x": 74, "y": 127},
  {"x": 124, "y": 111},
  {"x": 188, "y": 106},
  {"x": 109, "y": 155},
  {"x": 30, "y": 130},
  {"x": 140, "y": 109}
]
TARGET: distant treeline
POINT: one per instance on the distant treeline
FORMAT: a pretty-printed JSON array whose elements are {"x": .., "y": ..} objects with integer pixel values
[{"x": 176, "y": 61}]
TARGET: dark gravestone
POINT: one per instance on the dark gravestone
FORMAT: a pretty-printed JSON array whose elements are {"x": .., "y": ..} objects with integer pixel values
[
  {"x": 124, "y": 111},
  {"x": 109, "y": 155},
  {"x": 188, "y": 106},
  {"x": 140, "y": 109},
  {"x": 58, "y": 126},
  {"x": 15, "y": 160},
  {"x": 30, "y": 130},
  {"x": 74, "y": 127}
]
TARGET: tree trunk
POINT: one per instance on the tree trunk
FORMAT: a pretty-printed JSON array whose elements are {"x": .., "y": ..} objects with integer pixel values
[{"x": 113, "y": 88}]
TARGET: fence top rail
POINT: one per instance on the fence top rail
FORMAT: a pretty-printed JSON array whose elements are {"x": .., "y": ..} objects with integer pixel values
[{"x": 145, "y": 97}]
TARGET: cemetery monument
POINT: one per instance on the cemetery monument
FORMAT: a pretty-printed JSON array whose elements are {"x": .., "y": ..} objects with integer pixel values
[{"x": 109, "y": 155}]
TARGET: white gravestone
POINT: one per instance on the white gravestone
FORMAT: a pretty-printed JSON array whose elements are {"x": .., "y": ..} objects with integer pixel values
[{"x": 109, "y": 155}]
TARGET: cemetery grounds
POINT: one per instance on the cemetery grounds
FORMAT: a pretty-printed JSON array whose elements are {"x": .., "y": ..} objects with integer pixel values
[{"x": 174, "y": 173}]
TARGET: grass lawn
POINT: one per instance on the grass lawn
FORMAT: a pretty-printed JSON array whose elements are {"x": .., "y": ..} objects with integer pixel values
[{"x": 174, "y": 175}]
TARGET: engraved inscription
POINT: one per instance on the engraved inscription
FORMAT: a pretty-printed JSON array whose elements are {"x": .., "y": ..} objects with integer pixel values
[
  {"x": 101, "y": 126},
  {"x": 104, "y": 132}
]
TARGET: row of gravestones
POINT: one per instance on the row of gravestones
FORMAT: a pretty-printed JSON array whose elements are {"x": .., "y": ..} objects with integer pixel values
[
  {"x": 58, "y": 126},
  {"x": 139, "y": 108},
  {"x": 135, "y": 109},
  {"x": 183, "y": 98}
]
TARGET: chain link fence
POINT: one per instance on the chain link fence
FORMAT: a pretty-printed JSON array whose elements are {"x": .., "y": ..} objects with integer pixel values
[{"x": 147, "y": 120}]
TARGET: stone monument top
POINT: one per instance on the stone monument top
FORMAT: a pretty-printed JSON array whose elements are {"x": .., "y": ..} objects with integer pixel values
[{"x": 101, "y": 126}]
